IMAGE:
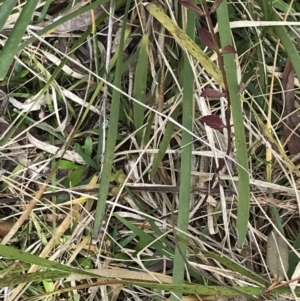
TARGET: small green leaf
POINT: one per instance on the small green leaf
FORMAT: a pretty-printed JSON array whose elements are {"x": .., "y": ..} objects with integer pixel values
[
  {"x": 121, "y": 177},
  {"x": 65, "y": 164},
  {"x": 85, "y": 263},
  {"x": 76, "y": 176},
  {"x": 86, "y": 158},
  {"x": 88, "y": 146}
]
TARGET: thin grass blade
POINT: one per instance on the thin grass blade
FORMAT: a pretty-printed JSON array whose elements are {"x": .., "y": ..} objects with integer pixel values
[
  {"x": 243, "y": 173},
  {"x": 11, "y": 46},
  {"x": 112, "y": 134},
  {"x": 186, "y": 161},
  {"x": 14, "y": 279},
  {"x": 140, "y": 85},
  {"x": 14, "y": 253},
  {"x": 5, "y": 10}
]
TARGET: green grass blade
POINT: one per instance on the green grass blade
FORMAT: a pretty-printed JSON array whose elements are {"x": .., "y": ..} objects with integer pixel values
[
  {"x": 186, "y": 161},
  {"x": 112, "y": 134},
  {"x": 210, "y": 290},
  {"x": 148, "y": 128},
  {"x": 283, "y": 35},
  {"x": 154, "y": 227},
  {"x": 140, "y": 86},
  {"x": 233, "y": 266},
  {"x": 44, "y": 11},
  {"x": 11, "y": 46},
  {"x": 242, "y": 157},
  {"x": 183, "y": 288},
  {"x": 166, "y": 250},
  {"x": 33, "y": 259},
  {"x": 5, "y": 10},
  {"x": 15, "y": 279},
  {"x": 289, "y": 47}
]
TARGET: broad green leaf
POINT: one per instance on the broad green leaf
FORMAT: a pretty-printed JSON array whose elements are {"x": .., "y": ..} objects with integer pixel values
[
  {"x": 65, "y": 164},
  {"x": 75, "y": 177}
]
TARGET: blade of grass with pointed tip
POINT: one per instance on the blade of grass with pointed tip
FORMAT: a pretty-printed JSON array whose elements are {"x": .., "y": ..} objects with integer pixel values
[
  {"x": 11, "y": 45},
  {"x": 112, "y": 134},
  {"x": 5, "y": 10},
  {"x": 237, "y": 115},
  {"x": 186, "y": 42},
  {"x": 186, "y": 161},
  {"x": 140, "y": 86}
]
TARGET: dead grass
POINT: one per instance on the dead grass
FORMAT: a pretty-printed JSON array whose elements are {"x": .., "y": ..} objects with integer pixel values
[{"x": 52, "y": 163}]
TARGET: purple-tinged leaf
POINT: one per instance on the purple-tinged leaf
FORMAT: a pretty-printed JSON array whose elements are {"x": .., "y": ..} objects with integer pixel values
[
  {"x": 213, "y": 121},
  {"x": 206, "y": 38},
  {"x": 209, "y": 92},
  {"x": 190, "y": 5},
  {"x": 215, "y": 6},
  {"x": 228, "y": 49}
]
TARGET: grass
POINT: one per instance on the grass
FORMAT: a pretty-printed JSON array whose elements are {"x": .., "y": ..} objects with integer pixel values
[{"x": 111, "y": 178}]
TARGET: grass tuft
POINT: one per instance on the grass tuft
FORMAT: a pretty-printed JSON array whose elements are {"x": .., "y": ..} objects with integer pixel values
[{"x": 147, "y": 150}]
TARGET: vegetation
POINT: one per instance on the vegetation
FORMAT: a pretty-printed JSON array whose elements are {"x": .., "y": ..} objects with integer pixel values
[{"x": 149, "y": 150}]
